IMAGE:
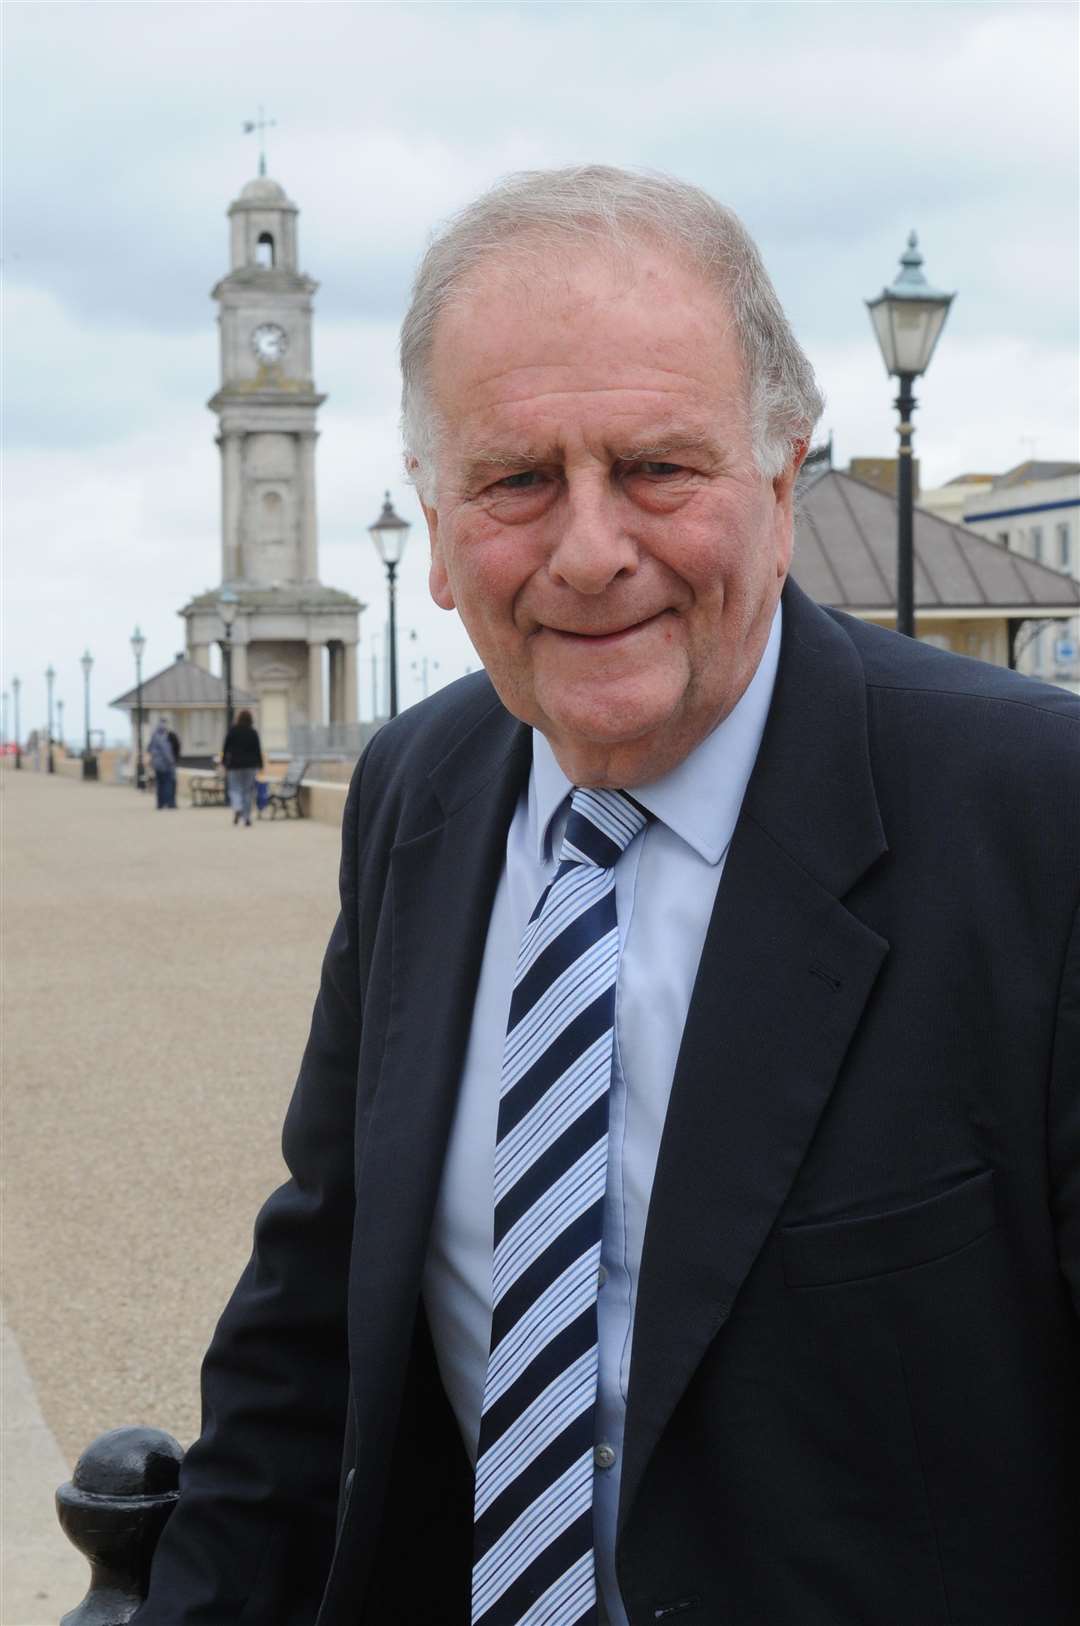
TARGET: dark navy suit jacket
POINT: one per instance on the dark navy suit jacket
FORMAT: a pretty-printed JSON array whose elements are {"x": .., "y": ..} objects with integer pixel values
[{"x": 855, "y": 1390}]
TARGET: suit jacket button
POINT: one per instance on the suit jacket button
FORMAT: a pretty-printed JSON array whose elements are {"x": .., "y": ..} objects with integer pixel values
[{"x": 604, "y": 1456}]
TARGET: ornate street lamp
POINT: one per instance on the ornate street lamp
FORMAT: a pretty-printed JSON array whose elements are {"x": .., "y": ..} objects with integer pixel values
[
  {"x": 60, "y": 724},
  {"x": 50, "y": 678},
  {"x": 16, "y": 685},
  {"x": 908, "y": 318},
  {"x": 138, "y": 644},
  {"x": 89, "y": 761},
  {"x": 390, "y": 533},
  {"x": 227, "y": 602}
]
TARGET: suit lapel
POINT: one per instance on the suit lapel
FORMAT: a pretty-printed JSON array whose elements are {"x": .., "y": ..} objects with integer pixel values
[
  {"x": 784, "y": 975},
  {"x": 443, "y": 875}
]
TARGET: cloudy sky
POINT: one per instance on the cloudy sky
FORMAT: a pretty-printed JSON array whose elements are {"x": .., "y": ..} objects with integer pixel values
[{"x": 831, "y": 128}]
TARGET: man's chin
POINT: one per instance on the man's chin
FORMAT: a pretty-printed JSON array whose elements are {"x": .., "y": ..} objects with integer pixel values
[{"x": 596, "y": 747}]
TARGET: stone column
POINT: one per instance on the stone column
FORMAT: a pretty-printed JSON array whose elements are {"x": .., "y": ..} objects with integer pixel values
[
  {"x": 315, "y": 685},
  {"x": 309, "y": 527},
  {"x": 199, "y": 655},
  {"x": 337, "y": 672},
  {"x": 239, "y": 666},
  {"x": 231, "y": 444},
  {"x": 349, "y": 714}
]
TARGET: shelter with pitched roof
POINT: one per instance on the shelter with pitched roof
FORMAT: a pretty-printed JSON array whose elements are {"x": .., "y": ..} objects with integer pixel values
[
  {"x": 972, "y": 595},
  {"x": 193, "y": 701}
]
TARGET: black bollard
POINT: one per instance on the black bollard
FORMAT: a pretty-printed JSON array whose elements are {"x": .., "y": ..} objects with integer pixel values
[{"x": 114, "y": 1508}]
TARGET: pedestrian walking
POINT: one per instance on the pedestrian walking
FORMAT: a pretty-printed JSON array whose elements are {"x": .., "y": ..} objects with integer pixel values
[
  {"x": 163, "y": 761},
  {"x": 242, "y": 757}
]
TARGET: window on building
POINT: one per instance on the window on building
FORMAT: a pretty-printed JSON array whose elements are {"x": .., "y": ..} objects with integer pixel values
[
  {"x": 1064, "y": 551},
  {"x": 264, "y": 251},
  {"x": 1036, "y": 543}
]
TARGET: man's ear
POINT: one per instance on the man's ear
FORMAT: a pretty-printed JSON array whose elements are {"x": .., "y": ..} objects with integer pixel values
[
  {"x": 784, "y": 493},
  {"x": 784, "y": 484},
  {"x": 438, "y": 577}
]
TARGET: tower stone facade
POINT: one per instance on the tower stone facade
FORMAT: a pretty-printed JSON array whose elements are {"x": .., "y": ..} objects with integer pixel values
[{"x": 266, "y": 407}]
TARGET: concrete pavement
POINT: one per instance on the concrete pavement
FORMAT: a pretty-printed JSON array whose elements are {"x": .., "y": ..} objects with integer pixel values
[{"x": 158, "y": 976}]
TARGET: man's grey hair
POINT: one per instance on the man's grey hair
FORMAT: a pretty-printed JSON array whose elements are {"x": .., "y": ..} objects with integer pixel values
[{"x": 537, "y": 210}]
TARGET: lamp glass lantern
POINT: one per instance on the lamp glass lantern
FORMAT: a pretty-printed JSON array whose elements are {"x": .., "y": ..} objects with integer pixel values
[
  {"x": 138, "y": 644},
  {"x": 390, "y": 533},
  {"x": 908, "y": 316}
]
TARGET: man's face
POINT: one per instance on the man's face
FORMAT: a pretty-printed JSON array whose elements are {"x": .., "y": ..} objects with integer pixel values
[{"x": 600, "y": 525}]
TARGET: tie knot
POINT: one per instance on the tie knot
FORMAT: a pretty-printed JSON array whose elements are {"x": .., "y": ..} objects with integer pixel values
[{"x": 602, "y": 824}]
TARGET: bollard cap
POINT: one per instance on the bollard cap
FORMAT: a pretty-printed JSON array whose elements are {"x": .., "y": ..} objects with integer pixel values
[{"x": 129, "y": 1462}]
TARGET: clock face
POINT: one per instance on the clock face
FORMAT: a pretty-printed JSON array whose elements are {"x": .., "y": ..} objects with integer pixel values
[{"x": 269, "y": 341}]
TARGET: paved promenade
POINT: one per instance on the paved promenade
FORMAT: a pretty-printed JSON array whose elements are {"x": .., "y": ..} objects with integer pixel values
[{"x": 158, "y": 976}]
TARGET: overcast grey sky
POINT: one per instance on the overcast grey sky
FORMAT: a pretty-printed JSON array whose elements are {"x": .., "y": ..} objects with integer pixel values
[{"x": 831, "y": 128}]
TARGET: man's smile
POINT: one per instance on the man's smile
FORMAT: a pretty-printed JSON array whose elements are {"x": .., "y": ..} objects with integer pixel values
[{"x": 602, "y": 636}]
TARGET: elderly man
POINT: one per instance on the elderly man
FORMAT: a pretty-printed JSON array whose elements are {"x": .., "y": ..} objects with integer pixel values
[{"x": 684, "y": 1220}]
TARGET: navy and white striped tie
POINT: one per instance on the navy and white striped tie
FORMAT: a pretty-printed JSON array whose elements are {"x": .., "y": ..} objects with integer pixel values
[{"x": 533, "y": 1554}]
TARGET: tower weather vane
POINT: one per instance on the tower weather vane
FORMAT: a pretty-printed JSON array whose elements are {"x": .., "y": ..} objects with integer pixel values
[{"x": 261, "y": 124}]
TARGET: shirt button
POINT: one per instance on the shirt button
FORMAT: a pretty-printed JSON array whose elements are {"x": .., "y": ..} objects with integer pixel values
[
  {"x": 601, "y": 1276},
  {"x": 604, "y": 1456}
]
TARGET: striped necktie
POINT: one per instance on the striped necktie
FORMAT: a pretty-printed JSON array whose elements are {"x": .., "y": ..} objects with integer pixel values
[{"x": 533, "y": 1550}]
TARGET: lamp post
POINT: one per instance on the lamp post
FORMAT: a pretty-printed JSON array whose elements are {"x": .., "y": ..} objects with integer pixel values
[
  {"x": 60, "y": 724},
  {"x": 50, "y": 678},
  {"x": 89, "y": 761},
  {"x": 227, "y": 609},
  {"x": 138, "y": 644},
  {"x": 908, "y": 318},
  {"x": 16, "y": 685},
  {"x": 390, "y": 533}
]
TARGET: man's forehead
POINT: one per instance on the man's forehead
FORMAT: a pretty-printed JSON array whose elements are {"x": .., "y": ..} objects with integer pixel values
[{"x": 544, "y": 278}]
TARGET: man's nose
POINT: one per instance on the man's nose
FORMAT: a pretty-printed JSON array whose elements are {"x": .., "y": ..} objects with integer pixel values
[{"x": 593, "y": 545}]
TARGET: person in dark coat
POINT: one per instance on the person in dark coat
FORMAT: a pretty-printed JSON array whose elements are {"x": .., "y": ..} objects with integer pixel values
[{"x": 242, "y": 757}]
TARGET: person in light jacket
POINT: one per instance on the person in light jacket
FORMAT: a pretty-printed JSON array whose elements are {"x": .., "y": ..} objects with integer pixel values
[{"x": 163, "y": 759}]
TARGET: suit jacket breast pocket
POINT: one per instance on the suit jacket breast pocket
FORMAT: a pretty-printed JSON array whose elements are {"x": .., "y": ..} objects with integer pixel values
[{"x": 852, "y": 1250}]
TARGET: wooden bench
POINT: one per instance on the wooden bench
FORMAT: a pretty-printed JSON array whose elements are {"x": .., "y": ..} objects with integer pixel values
[{"x": 285, "y": 793}]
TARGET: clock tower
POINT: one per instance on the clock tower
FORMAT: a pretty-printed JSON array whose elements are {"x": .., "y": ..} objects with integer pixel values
[{"x": 266, "y": 405}]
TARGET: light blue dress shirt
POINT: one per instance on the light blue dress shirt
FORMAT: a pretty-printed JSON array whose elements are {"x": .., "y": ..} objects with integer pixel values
[{"x": 665, "y": 888}]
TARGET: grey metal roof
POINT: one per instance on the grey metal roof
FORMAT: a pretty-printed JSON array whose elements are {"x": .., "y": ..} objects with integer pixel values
[
  {"x": 845, "y": 556},
  {"x": 181, "y": 685}
]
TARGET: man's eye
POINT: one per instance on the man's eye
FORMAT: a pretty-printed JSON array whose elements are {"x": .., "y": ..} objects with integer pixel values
[
  {"x": 518, "y": 482},
  {"x": 660, "y": 470}
]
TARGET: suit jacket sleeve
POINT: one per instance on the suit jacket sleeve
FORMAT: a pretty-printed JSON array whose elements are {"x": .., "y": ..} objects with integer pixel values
[
  {"x": 251, "y": 1538},
  {"x": 1065, "y": 1117}
]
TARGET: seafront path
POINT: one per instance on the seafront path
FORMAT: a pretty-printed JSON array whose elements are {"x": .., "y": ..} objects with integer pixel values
[{"x": 158, "y": 973}]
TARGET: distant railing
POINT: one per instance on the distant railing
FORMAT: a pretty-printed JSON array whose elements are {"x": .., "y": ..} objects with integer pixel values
[{"x": 342, "y": 740}]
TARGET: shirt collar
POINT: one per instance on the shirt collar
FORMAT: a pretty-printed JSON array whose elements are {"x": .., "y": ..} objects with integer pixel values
[{"x": 700, "y": 798}]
